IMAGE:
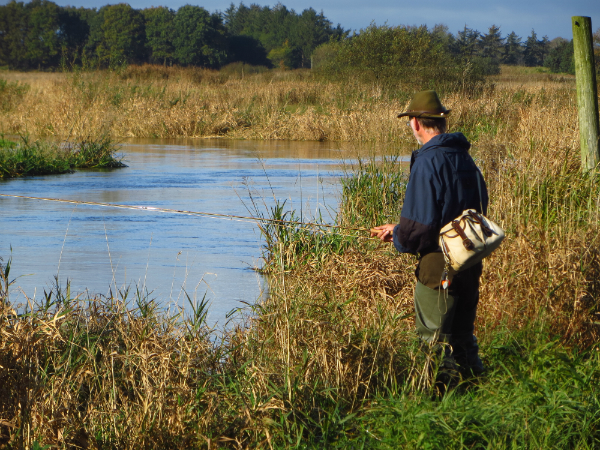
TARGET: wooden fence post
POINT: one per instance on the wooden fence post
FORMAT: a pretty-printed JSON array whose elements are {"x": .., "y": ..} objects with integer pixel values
[{"x": 587, "y": 92}]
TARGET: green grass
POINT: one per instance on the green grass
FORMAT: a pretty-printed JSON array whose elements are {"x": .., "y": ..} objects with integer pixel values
[
  {"x": 536, "y": 395},
  {"x": 25, "y": 158}
]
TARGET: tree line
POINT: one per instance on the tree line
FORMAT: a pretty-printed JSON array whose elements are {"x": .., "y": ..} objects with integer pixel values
[{"x": 42, "y": 35}]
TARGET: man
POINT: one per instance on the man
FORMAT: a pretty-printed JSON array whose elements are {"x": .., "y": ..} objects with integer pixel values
[{"x": 444, "y": 181}]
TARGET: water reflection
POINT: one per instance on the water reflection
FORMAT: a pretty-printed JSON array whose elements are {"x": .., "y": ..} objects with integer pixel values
[{"x": 99, "y": 248}]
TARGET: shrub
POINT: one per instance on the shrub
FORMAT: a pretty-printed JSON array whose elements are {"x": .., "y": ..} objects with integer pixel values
[{"x": 397, "y": 57}]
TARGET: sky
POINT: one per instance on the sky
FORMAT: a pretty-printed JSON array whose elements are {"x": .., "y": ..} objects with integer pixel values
[{"x": 550, "y": 18}]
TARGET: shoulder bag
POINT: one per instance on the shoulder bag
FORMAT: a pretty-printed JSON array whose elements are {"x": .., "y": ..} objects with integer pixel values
[{"x": 469, "y": 238}]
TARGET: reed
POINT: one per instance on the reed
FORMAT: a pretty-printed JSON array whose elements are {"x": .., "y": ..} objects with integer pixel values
[
  {"x": 330, "y": 359},
  {"x": 26, "y": 158}
]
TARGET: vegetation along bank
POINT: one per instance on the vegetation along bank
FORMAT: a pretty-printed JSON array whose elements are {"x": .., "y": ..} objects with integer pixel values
[{"x": 329, "y": 359}]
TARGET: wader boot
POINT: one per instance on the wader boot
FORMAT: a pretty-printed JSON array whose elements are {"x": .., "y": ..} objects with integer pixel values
[{"x": 466, "y": 355}]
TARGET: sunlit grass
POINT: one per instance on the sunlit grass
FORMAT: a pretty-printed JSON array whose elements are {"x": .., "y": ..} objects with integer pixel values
[
  {"x": 25, "y": 158},
  {"x": 329, "y": 359}
]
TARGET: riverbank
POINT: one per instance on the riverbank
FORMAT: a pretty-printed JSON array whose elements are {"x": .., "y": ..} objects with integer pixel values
[
  {"x": 110, "y": 374},
  {"x": 27, "y": 158},
  {"x": 330, "y": 359}
]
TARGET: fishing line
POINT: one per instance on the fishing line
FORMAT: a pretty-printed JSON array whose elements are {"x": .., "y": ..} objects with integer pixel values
[{"x": 191, "y": 213}]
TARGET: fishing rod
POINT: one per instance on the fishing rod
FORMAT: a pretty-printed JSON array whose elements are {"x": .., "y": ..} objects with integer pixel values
[{"x": 190, "y": 213}]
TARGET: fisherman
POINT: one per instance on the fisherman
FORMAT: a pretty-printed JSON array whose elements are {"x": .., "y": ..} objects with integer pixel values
[{"x": 444, "y": 181}]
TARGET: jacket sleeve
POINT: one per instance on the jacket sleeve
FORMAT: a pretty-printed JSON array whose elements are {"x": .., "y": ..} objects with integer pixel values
[{"x": 419, "y": 227}]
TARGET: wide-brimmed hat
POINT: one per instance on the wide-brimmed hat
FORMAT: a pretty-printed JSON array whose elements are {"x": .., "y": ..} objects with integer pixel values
[{"x": 426, "y": 104}]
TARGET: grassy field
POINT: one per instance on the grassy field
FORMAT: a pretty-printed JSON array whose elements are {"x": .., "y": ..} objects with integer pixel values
[
  {"x": 157, "y": 102},
  {"x": 329, "y": 360}
]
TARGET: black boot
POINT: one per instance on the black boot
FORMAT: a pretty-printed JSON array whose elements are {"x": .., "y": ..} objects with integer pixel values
[{"x": 466, "y": 355}]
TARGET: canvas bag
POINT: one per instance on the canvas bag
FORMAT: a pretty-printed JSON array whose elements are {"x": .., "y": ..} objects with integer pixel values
[{"x": 469, "y": 238}]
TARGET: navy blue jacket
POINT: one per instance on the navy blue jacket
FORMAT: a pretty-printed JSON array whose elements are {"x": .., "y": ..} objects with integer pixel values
[{"x": 442, "y": 184}]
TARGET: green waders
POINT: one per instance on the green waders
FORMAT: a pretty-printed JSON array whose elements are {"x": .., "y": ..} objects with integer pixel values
[{"x": 447, "y": 316}]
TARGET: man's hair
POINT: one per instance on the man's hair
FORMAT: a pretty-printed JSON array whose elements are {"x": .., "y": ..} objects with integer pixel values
[{"x": 436, "y": 125}]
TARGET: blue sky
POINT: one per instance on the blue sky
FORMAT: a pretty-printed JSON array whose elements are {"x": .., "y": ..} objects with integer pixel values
[{"x": 550, "y": 18}]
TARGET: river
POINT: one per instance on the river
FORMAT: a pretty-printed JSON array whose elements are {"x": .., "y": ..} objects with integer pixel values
[{"x": 103, "y": 250}]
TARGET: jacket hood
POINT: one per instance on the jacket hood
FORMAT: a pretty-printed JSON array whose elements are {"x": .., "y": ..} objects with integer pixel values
[{"x": 455, "y": 140}]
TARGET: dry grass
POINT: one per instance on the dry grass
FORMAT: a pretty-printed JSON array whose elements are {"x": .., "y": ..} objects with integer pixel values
[
  {"x": 175, "y": 102},
  {"x": 336, "y": 329},
  {"x": 530, "y": 77},
  {"x": 158, "y": 102}
]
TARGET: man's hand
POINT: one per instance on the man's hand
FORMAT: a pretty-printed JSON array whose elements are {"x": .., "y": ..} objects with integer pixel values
[{"x": 384, "y": 232}]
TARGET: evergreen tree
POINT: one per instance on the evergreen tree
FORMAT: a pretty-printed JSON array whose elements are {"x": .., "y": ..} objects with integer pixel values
[
  {"x": 513, "y": 50},
  {"x": 466, "y": 44},
  {"x": 248, "y": 50},
  {"x": 489, "y": 52},
  {"x": 560, "y": 57},
  {"x": 278, "y": 24},
  {"x": 288, "y": 37},
  {"x": 535, "y": 50},
  {"x": 243, "y": 45},
  {"x": 491, "y": 45},
  {"x": 311, "y": 30}
]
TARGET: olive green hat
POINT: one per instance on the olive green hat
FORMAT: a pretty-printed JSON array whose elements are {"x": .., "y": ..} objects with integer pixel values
[{"x": 426, "y": 104}]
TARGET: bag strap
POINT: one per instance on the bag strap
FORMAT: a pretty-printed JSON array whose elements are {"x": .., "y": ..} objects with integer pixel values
[{"x": 479, "y": 176}]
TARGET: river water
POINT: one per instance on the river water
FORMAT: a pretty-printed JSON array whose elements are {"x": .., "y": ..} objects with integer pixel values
[{"x": 98, "y": 249}]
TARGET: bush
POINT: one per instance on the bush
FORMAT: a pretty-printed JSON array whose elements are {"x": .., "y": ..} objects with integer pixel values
[
  {"x": 397, "y": 57},
  {"x": 560, "y": 58}
]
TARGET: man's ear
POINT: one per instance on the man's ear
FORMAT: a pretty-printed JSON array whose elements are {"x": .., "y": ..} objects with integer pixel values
[{"x": 417, "y": 125}]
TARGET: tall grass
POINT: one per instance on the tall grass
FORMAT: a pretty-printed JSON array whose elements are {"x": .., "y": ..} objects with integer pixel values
[
  {"x": 25, "y": 158},
  {"x": 330, "y": 358},
  {"x": 166, "y": 102}
]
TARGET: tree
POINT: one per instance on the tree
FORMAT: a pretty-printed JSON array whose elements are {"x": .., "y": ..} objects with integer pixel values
[
  {"x": 123, "y": 35},
  {"x": 159, "y": 33},
  {"x": 95, "y": 19},
  {"x": 248, "y": 50},
  {"x": 30, "y": 34},
  {"x": 513, "y": 49},
  {"x": 560, "y": 57},
  {"x": 311, "y": 30},
  {"x": 199, "y": 37},
  {"x": 74, "y": 32},
  {"x": 467, "y": 42},
  {"x": 288, "y": 37},
  {"x": 42, "y": 45},
  {"x": 442, "y": 37},
  {"x": 13, "y": 28},
  {"x": 489, "y": 54},
  {"x": 244, "y": 46},
  {"x": 281, "y": 57},
  {"x": 535, "y": 50},
  {"x": 491, "y": 45},
  {"x": 391, "y": 57}
]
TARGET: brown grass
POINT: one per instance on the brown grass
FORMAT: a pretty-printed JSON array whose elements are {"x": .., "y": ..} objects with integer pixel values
[
  {"x": 175, "y": 102},
  {"x": 335, "y": 329}
]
